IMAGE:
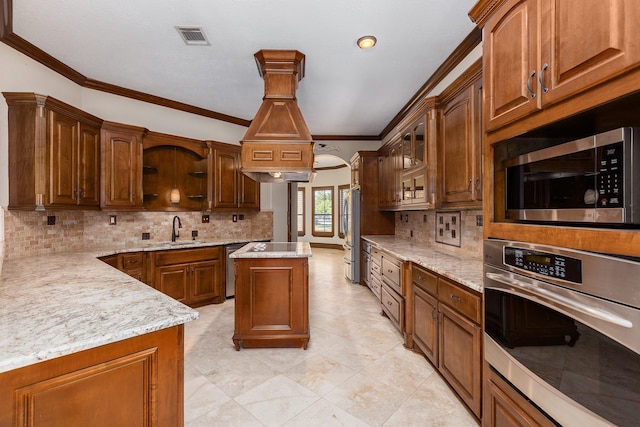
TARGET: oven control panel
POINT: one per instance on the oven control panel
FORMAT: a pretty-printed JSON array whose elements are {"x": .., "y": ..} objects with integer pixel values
[{"x": 544, "y": 263}]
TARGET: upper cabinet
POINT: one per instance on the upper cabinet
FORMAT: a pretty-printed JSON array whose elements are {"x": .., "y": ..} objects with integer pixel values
[
  {"x": 54, "y": 154},
  {"x": 121, "y": 166},
  {"x": 232, "y": 190},
  {"x": 539, "y": 52},
  {"x": 460, "y": 142}
]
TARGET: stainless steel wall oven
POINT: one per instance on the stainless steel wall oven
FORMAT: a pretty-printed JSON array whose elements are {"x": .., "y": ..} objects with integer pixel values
[{"x": 563, "y": 327}]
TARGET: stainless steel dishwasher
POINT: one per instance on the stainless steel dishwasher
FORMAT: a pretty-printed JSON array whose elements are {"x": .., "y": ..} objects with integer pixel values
[{"x": 231, "y": 272}]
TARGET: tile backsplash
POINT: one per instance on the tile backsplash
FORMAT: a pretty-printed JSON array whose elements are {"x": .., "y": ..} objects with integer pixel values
[
  {"x": 27, "y": 232},
  {"x": 422, "y": 226}
]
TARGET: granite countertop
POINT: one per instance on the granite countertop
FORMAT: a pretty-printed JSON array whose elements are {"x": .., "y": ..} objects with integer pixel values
[
  {"x": 273, "y": 250},
  {"x": 54, "y": 305},
  {"x": 466, "y": 270},
  {"x": 149, "y": 246}
]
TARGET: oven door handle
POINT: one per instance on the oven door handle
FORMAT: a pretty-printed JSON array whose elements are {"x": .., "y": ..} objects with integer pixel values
[{"x": 559, "y": 299}]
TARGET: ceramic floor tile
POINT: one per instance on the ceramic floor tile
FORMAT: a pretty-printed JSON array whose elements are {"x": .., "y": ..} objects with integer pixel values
[
  {"x": 277, "y": 400},
  {"x": 325, "y": 414},
  {"x": 355, "y": 371}
]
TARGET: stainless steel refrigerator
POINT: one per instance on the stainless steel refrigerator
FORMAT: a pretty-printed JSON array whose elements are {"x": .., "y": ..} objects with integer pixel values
[{"x": 351, "y": 225}]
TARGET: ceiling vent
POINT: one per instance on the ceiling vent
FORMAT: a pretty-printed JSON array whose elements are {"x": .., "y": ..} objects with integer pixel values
[{"x": 193, "y": 36}]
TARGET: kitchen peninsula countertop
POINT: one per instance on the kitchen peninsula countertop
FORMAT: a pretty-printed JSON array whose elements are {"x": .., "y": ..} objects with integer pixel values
[
  {"x": 273, "y": 250},
  {"x": 58, "y": 304},
  {"x": 466, "y": 270}
]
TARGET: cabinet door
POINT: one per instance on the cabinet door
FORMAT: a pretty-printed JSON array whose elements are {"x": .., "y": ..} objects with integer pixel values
[
  {"x": 249, "y": 196},
  {"x": 456, "y": 149},
  {"x": 510, "y": 61},
  {"x": 89, "y": 166},
  {"x": 586, "y": 42},
  {"x": 173, "y": 280},
  {"x": 225, "y": 176},
  {"x": 460, "y": 355},
  {"x": 63, "y": 159},
  {"x": 205, "y": 281},
  {"x": 425, "y": 323},
  {"x": 122, "y": 169}
]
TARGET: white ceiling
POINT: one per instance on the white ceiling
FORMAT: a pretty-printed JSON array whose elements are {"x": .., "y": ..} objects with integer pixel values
[{"x": 346, "y": 91}]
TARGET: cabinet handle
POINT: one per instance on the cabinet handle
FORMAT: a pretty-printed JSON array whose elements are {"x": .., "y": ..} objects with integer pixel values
[
  {"x": 531, "y": 92},
  {"x": 541, "y": 78},
  {"x": 469, "y": 186},
  {"x": 389, "y": 303},
  {"x": 455, "y": 298},
  {"x": 478, "y": 184},
  {"x": 132, "y": 261}
]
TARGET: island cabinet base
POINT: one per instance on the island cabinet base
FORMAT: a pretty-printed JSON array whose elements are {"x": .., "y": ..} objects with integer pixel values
[
  {"x": 271, "y": 302},
  {"x": 134, "y": 382}
]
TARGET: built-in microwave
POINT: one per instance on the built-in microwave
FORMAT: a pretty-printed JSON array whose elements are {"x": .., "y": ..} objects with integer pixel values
[{"x": 594, "y": 179}]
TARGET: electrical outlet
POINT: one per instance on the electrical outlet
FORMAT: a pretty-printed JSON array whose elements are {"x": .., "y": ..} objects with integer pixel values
[
  {"x": 479, "y": 220},
  {"x": 194, "y": 234},
  {"x": 234, "y": 218},
  {"x": 241, "y": 217},
  {"x": 411, "y": 233},
  {"x": 146, "y": 236},
  {"x": 51, "y": 220},
  {"x": 205, "y": 219},
  {"x": 113, "y": 220}
]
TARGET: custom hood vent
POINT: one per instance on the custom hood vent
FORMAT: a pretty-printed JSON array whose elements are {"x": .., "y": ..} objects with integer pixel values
[{"x": 277, "y": 146}]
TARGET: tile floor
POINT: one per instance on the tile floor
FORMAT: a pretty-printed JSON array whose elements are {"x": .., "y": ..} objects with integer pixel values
[{"x": 355, "y": 371}]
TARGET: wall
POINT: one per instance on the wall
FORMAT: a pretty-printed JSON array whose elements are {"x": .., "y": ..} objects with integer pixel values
[
  {"x": 27, "y": 233},
  {"x": 324, "y": 178},
  {"x": 471, "y": 236}
]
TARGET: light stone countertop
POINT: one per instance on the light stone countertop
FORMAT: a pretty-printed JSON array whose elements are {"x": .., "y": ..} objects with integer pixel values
[
  {"x": 466, "y": 270},
  {"x": 58, "y": 304},
  {"x": 273, "y": 250},
  {"x": 150, "y": 246}
]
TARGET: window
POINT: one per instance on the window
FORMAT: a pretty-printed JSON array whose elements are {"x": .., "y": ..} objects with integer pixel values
[
  {"x": 322, "y": 212},
  {"x": 343, "y": 191},
  {"x": 300, "y": 216}
]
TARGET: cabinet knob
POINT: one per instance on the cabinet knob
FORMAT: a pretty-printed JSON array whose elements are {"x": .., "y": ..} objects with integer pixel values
[{"x": 532, "y": 94}]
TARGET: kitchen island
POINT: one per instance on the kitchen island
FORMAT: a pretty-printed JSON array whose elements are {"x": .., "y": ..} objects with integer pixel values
[
  {"x": 82, "y": 343},
  {"x": 272, "y": 295}
]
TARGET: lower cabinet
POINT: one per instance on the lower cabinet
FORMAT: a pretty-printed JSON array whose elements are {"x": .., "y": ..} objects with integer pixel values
[
  {"x": 392, "y": 297},
  {"x": 446, "y": 328},
  {"x": 192, "y": 276},
  {"x": 505, "y": 407},
  {"x": 133, "y": 382},
  {"x": 133, "y": 264}
]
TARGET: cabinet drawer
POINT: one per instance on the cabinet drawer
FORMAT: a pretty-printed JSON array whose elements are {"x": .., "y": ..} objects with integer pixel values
[
  {"x": 460, "y": 299},
  {"x": 376, "y": 270},
  {"x": 393, "y": 305},
  {"x": 376, "y": 255},
  {"x": 391, "y": 273},
  {"x": 375, "y": 285},
  {"x": 179, "y": 256},
  {"x": 131, "y": 261},
  {"x": 366, "y": 247},
  {"x": 425, "y": 280}
]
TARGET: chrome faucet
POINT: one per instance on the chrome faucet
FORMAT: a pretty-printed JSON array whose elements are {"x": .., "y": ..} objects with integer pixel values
[{"x": 173, "y": 229}]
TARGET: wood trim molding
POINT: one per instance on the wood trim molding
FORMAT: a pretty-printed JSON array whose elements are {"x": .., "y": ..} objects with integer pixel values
[
  {"x": 346, "y": 137},
  {"x": 481, "y": 12},
  {"x": 468, "y": 44},
  {"x": 331, "y": 167},
  {"x": 470, "y": 75},
  {"x": 6, "y": 18}
]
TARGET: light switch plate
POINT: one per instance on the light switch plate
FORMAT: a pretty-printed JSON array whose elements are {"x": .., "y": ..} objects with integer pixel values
[{"x": 448, "y": 228}]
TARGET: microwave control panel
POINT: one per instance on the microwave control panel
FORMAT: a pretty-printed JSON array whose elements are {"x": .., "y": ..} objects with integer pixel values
[
  {"x": 544, "y": 263},
  {"x": 610, "y": 175}
]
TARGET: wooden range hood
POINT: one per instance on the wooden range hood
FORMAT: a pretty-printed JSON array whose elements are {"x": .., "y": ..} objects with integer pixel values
[{"x": 277, "y": 146}]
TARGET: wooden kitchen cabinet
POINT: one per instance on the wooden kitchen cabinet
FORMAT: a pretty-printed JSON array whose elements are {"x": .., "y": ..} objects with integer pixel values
[
  {"x": 137, "y": 381},
  {"x": 505, "y": 407},
  {"x": 54, "y": 154},
  {"x": 538, "y": 52},
  {"x": 133, "y": 263},
  {"x": 192, "y": 276},
  {"x": 271, "y": 302},
  {"x": 446, "y": 319},
  {"x": 121, "y": 166},
  {"x": 232, "y": 190},
  {"x": 389, "y": 171},
  {"x": 460, "y": 142},
  {"x": 392, "y": 294}
]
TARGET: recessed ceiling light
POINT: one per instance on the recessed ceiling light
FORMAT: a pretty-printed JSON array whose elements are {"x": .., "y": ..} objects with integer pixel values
[{"x": 367, "y": 42}]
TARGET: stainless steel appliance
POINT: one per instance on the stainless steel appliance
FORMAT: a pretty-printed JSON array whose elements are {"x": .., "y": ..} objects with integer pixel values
[
  {"x": 230, "y": 269},
  {"x": 563, "y": 327},
  {"x": 594, "y": 179},
  {"x": 351, "y": 225}
]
